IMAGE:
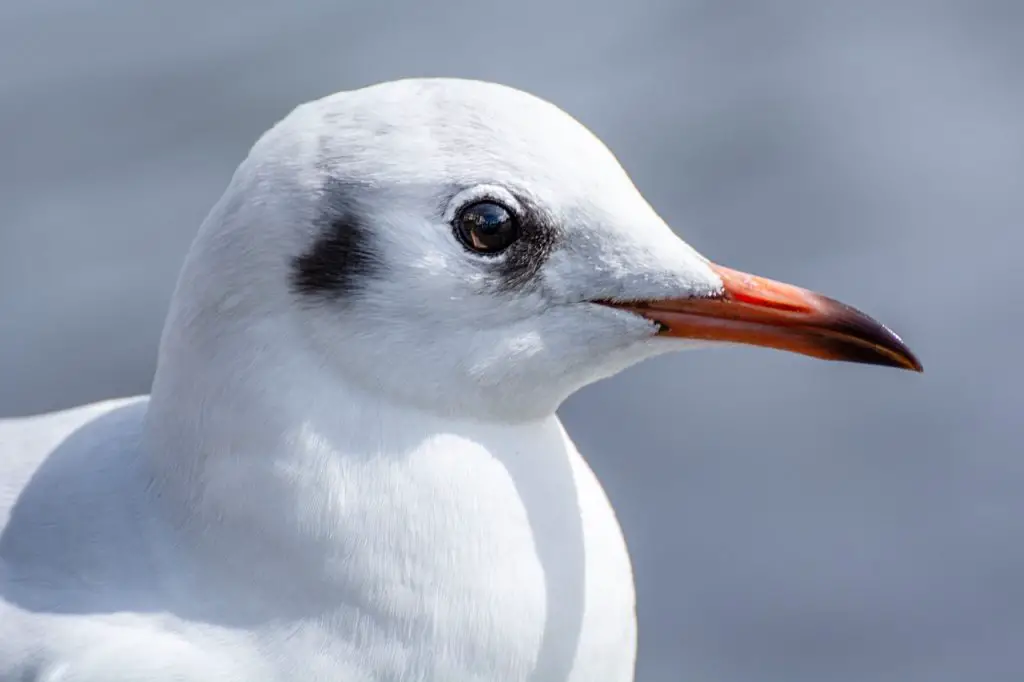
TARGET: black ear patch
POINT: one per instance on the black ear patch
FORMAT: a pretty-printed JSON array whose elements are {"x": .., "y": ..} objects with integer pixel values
[{"x": 341, "y": 257}]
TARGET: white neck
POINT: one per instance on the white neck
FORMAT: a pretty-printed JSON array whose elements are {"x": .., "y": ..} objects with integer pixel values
[
  {"x": 299, "y": 467},
  {"x": 310, "y": 500}
]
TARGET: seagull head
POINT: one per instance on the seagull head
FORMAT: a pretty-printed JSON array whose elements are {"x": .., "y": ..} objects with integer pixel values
[{"x": 468, "y": 248}]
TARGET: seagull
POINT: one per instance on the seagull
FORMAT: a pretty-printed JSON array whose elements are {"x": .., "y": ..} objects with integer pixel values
[{"x": 349, "y": 467}]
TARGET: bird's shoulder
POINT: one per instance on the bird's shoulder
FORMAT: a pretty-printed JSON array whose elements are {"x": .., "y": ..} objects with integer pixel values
[
  {"x": 27, "y": 443},
  {"x": 71, "y": 521},
  {"x": 39, "y": 647},
  {"x": 46, "y": 458}
]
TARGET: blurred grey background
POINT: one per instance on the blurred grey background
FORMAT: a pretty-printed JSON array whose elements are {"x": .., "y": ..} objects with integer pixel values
[{"x": 789, "y": 520}]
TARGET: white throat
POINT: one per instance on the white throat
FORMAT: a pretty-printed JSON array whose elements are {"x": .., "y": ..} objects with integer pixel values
[
  {"x": 351, "y": 429},
  {"x": 309, "y": 499}
]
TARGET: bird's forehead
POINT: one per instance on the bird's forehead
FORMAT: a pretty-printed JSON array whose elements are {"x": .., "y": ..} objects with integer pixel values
[{"x": 455, "y": 131}]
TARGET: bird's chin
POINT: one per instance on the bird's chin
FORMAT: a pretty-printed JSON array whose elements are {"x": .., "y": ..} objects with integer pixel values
[
  {"x": 669, "y": 344},
  {"x": 644, "y": 337},
  {"x": 622, "y": 358}
]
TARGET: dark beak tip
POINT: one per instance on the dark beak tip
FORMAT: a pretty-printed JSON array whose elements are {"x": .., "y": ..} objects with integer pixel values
[
  {"x": 890, "y": 355},
  {"x": 909, "y": 362},
  {"x": 873, "y": 342},
  {"x": 914, "y": 365},
  {"x": 899, "y": 354},
  {"x": 874, "y": 356}
]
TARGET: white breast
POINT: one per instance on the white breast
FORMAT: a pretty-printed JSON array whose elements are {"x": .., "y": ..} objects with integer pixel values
[
  {"x": 466, "y": 563},
  {"x": 488, "y": 554}
]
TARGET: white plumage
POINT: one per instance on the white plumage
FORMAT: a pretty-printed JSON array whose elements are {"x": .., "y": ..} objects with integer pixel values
[{"x": 350, "y": 466}]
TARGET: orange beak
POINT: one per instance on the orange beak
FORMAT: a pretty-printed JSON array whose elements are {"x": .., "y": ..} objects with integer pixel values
[{"x": 760, "y": 312}]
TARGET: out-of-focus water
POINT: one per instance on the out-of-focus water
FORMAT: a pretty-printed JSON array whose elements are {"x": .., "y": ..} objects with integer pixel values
[{"x": 789, "y": 520}]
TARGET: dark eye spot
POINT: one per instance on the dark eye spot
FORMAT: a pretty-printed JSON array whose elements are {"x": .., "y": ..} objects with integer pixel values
[
  {"x": 343, "y": 255},
  {"x": 486, "y": 227}
]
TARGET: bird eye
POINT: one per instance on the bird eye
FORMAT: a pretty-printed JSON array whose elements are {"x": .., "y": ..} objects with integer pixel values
[{"x": 486, "y": 227}]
